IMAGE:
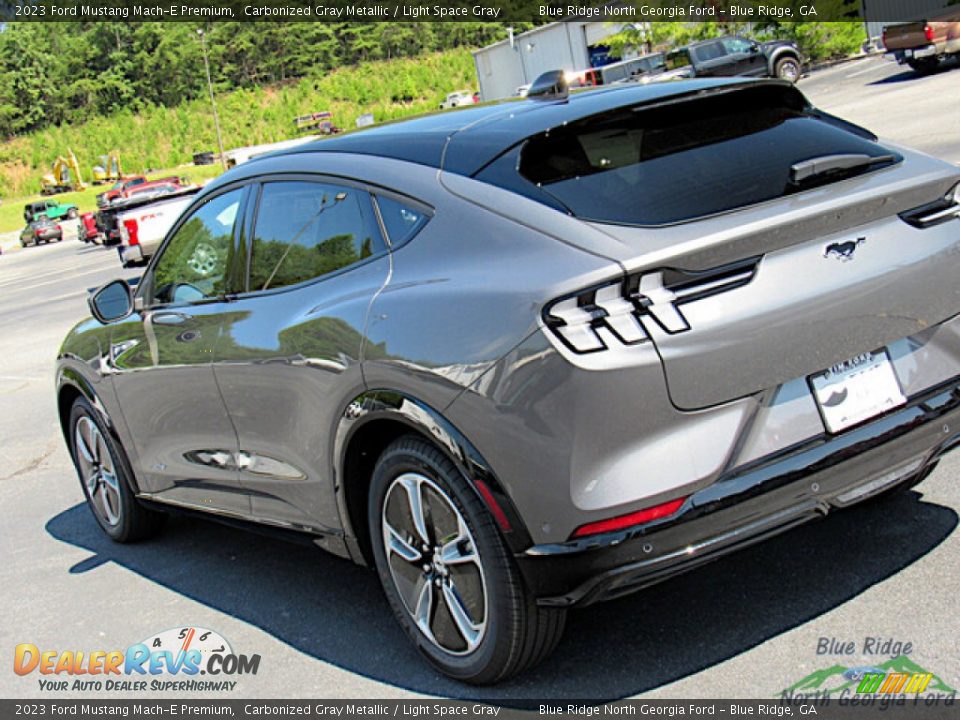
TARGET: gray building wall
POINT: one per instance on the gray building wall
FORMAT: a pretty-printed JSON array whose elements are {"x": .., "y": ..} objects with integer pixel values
[{"x": 501, "y": 69}]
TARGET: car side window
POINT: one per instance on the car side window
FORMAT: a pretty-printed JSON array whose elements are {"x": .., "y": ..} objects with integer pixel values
[
  {"x": 737, "y": 45},
  {"x": 194, "y": 263},
  {"x": 305, "y": 230},
  {"x": 709, "y": 51},
  {"x": 400, "y": 220}
]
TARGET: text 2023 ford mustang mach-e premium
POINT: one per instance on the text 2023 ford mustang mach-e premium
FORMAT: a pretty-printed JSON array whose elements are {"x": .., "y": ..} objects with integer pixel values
[{"x": 530, "y": 356}]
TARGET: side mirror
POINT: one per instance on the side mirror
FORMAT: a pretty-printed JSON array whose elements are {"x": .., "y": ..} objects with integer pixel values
[
  {"x": 113, "y": 301},
  {"x": 754, "y": 49}
]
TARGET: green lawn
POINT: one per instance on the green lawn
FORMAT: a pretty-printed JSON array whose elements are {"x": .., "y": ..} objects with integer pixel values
[{"x": 11, "y": 211}]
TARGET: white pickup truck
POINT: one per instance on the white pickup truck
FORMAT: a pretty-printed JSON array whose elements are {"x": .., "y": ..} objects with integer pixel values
[{"x": 138, "y": 227}]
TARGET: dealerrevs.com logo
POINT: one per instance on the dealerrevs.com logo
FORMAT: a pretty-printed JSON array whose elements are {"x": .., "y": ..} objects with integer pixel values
[{"x": 168, "y": 661}]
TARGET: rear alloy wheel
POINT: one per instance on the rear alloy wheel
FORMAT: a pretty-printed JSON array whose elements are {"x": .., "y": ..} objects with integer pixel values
[
  {"x": 105, "y": 477},
  {"x": 447, "y": 573},
  {"x": 787, "y": 69}
]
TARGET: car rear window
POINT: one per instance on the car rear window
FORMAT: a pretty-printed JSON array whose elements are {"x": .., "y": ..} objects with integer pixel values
[{"x": 688, "y": 159}]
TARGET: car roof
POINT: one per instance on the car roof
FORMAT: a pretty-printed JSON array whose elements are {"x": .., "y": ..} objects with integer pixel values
[{"x": 465, "y": 140}]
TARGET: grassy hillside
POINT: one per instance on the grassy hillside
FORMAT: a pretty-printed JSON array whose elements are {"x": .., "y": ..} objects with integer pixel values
[{"x": 164, "y": 137}]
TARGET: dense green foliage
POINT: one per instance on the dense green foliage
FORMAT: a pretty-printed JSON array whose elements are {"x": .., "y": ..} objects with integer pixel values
[
  {"x": 164, "y": 137},
  {"x": 53, "y": 73}
]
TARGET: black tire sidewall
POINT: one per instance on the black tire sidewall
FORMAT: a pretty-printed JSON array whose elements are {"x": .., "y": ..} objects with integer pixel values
[
  {"x": 124, "y": 528},
  {"x": 493, "y": 555}
]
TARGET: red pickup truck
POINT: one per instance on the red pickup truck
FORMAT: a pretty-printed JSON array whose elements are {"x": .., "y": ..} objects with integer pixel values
[
  {"x": 121, "y": 189},
  {"x": 924, "y": 45}
]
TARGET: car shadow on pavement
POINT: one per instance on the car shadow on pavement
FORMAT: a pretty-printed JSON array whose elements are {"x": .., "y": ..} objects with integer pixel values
[{"x": 334, "y": 611}]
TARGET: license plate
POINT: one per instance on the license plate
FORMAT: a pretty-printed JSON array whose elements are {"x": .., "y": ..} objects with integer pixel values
[{"x": 856, "y": 390}]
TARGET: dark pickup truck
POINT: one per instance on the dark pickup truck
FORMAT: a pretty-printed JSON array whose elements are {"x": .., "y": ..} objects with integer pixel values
[{"x": 734, "y": 55}]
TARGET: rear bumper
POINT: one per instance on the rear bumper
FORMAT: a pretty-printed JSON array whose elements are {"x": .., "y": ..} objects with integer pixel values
[
  {"x": 751, "y": 503},
  {"x": 925, "y": 51},
  {"x": 130, "y": 254}
]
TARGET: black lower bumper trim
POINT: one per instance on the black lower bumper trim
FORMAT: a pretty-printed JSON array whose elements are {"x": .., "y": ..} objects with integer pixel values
[{"x": 751, "y": 504}]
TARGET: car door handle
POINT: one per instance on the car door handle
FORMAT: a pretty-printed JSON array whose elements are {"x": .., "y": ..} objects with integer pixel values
[{"x": 169, "y": 318}]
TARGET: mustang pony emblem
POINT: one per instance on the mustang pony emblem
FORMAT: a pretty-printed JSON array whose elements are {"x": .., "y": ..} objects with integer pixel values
[{"x": 843, "y": 251}]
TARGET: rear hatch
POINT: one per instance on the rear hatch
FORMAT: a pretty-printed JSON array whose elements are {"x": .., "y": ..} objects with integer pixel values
[{"x": 762, "y": 240}]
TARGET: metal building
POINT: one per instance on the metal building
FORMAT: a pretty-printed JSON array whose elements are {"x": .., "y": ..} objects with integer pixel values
[{"x": 519, "y": 60}]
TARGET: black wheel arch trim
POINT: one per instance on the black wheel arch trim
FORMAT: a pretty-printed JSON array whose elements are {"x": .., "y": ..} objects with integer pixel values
[
  {"x": 72, "y": 379},
  {"x": 386, "y": 404}
]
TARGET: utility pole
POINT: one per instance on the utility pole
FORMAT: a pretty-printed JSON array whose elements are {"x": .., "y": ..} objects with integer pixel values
[{"x": 213, "y": 103}]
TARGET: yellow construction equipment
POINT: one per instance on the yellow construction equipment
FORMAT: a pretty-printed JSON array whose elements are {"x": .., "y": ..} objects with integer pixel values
[
  {"x": 65, "y": 176},
  {"x": 108, "y": 170}
]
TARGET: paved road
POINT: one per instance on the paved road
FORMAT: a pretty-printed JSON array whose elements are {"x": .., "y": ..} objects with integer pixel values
[{"x": 745, "y": 626}]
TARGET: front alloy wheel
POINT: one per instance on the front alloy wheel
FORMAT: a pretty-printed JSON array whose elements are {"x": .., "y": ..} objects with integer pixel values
[
  {"x": 97, "y": 472},
  {"x": 105, "y": 476},
  {"x": 434, "y": 564}
]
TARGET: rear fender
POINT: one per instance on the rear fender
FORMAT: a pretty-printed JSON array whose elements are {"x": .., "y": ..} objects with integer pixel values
[{"x": 379, "y": 404}]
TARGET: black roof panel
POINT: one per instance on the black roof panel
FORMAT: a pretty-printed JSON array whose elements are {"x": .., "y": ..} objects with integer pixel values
[{"x": 465, "y": 140}]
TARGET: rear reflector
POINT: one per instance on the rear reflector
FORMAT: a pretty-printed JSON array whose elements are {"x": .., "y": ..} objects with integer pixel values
[{"x": 624, "y": 521}]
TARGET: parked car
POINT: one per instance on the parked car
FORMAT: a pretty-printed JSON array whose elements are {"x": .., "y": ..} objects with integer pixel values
[
  {"x": 52, "y": 209},
  {"x": 733, "y": 56},
  {"x": 128, "y": 184},
  {"x": 41, "y": 230},
  {"x": 924, "y": 45},
  {"x": 459, "y": 99},
  {"x": 534, "y": 355}
]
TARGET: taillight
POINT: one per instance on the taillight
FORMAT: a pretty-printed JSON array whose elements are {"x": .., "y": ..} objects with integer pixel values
[
  {"x": 59, "y": 229},
  {"x": 601, "y": 317},
  {"x": 621, "y": 522},
  {"x": 883, "y": 38},
  {"x": 132, "y": 231},
  {"x": 928, "y": 32}
]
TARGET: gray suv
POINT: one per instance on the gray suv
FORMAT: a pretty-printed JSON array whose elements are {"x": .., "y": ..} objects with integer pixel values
[{"x": 529, "y": 356}]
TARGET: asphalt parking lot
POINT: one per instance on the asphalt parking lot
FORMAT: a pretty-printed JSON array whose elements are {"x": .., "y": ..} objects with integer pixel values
[{"x": 746, "y": 626}]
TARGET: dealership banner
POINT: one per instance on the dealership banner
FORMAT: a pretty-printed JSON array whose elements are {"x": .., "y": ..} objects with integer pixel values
[
  {"x": 623, "y": 11},
  {"x": 824, "y": 708}
]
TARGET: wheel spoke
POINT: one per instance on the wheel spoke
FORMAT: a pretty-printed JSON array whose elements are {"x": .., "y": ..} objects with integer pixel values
[
  {"x": 459, "y": 550},
  {"x": 423, "y": 612},
  {"x": 82, "y": 442},
  {"x": 92, "y": 481},
  {"x": 398, "y": 545},
  {"x": 469, "y": 630},
  {"x": 415, "y": 501}
]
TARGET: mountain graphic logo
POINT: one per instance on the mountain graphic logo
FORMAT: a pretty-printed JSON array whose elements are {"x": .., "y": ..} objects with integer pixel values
[{"x": 837, "y": 678}]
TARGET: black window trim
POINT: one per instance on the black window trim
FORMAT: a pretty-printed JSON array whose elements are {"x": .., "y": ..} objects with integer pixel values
[
  {"x": 144, "y": 288},
  {"x": 244, "y": 290}
]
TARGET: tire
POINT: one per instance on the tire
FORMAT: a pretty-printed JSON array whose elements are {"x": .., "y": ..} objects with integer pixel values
[
  {"x": 925, "y": 66},
  {"x": 72, "y": 213},
  {"x": 98, "y": 457},
  {"x": 787, "y": 68},
  {"x": 501, "y": 631}
]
